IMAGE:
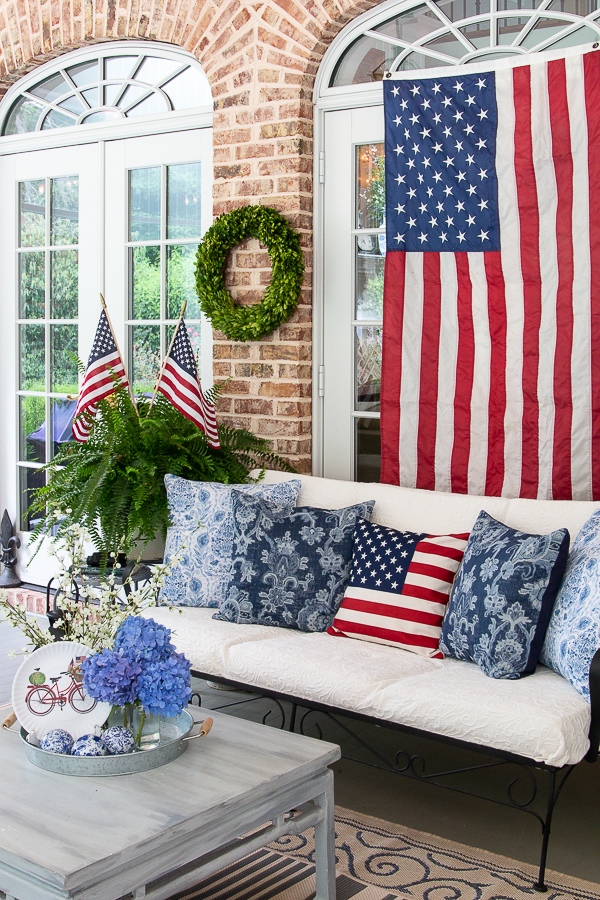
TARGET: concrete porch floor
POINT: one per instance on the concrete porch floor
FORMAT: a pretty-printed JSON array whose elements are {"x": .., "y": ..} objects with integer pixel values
[{"x": 575, "y": 839}]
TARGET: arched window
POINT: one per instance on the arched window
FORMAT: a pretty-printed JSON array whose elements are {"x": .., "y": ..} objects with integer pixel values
[
  {"x": 111, "y": 84},
  {"x": 349, "y": 207},
  {"x": 106, "y": 179}
]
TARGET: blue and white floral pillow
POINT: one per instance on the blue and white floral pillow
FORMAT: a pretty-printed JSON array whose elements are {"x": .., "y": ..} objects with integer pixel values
[
  {"x": 573, "y": 634},
  {"x": 289, "y": 568},
  {"x": 201, "y": 577},
  {"x": 502, "y": 597}
]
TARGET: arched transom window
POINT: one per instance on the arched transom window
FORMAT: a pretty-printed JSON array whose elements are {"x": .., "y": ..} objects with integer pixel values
[
  {"x": 452, "y": 32},
  {"x": 117, "y": 83}
]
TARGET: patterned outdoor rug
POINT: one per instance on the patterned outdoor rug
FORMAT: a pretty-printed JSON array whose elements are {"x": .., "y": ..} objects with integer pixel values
[{"x": 378, "y": 860}]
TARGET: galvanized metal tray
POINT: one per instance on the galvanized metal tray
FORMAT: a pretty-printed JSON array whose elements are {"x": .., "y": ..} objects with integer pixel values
[{"x": 175, "y": 733}]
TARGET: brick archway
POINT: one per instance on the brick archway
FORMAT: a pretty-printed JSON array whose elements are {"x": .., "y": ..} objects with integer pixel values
[{"x": 261, "y": 60}]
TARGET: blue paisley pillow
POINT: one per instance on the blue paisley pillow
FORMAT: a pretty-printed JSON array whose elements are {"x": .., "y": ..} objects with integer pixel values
[
  {"x": 573, "y": 634},
  {"x": 201, "y": 577},
  {"x": 289, "y": 568},
  {"x": 502, "y": 597}
]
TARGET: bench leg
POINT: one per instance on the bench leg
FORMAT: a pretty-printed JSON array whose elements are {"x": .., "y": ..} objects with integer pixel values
[
  {"x": 325, "y": 846},
  {"x": 293, "y": 710},
  {"x": 552, "y": 797}
]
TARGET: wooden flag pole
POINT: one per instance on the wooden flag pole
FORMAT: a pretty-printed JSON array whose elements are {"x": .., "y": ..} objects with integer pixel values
[
  {"x": 166, "y": 359},
  {"x": 119, "y": 352}
]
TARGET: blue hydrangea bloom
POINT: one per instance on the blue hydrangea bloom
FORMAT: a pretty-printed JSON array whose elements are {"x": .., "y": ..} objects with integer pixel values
[
  {"x": 142, "y": 666},
  {"x": 164, "y": 686},
  {"x": 142, "y": 638},
  {"x": 111, "y": 677}
]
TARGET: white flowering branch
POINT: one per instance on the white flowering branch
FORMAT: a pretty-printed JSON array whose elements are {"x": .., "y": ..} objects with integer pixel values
[{"x": 91, "y": 612}]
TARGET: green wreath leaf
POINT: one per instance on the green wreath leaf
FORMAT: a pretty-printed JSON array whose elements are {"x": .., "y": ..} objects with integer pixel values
[{"x": 249, "y": 323}]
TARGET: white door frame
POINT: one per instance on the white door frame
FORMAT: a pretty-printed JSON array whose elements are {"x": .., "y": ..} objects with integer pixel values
[{"x": 356, "y": 97}]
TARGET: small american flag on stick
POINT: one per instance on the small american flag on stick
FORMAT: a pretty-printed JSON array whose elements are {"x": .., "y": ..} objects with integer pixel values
[
  {"x": 178, "y": 382},
  {"x": 104, "y": 375}
]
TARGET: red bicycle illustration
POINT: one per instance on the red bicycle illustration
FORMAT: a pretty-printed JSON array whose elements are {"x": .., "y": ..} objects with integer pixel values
[{"x": 42, "y": 698}]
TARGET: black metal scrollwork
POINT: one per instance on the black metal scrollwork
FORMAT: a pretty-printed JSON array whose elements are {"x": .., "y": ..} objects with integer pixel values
[
  {"x": 269, "y": 711},
  {"x": 532, "y": 785}
]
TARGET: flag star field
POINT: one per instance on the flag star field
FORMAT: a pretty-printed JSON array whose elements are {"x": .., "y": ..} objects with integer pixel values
[
  {"x": 383, "y": 563},
  {"x": 442, "y": 189}
]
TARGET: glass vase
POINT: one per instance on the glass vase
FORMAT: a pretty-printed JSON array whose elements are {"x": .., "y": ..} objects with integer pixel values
[
  {"x": 146, "y": 729},
  {"x": 144, "y": 726},
  {"x": 122, "y": 716}
]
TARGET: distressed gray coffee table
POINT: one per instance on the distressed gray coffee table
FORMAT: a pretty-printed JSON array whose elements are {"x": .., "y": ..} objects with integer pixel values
[{"x": 158, "y": 832}]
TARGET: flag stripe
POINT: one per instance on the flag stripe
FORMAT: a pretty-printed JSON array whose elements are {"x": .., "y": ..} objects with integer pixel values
[
  {"x": 446, "y": 387},
  {"x": 417, "y": 643},
  {"x": 374, "y": 615},
  {"x": 383, "y": 614},
  {"x": 463, "y": 385},
  {"x": 411, "y": 362},
  {"x": 391, "y": 367},
  {"x": 529, "y": 235},
  {"x": 427, "y": 414},
  {"x": 581, "y": 473},
  {"x": 546, "y": 189},
  {"x": 563, "y": 168},
  {"x": 497, "y": 397},
  {"x": 511, "y": 446},
  {"x": 592, "y": 102},
  {"x": 481, "y": 385},
  {"x": 359, "y": 595}
]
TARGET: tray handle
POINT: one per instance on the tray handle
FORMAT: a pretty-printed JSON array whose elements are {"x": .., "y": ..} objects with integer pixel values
[
  {"x": 204, "y": 729},
  {"x": 8, "y": 723}
]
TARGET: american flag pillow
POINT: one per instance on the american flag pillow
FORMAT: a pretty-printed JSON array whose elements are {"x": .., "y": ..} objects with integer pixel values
[{"x": 399, "y": 587}]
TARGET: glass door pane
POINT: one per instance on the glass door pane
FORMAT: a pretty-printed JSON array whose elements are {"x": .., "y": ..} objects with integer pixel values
[
  {"x": 165, "y": 225},
  {"x": 47, "y": 262},
  {"x": 369, "y": 262}
]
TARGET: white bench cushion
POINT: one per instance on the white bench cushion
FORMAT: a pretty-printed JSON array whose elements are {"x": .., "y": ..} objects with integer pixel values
[
  {"x": 541, "y": 717},
  {"x": 436, "y": 512}
]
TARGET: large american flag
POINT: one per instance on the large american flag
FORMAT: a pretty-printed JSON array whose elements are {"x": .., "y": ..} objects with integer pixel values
[
  {"x": 491, "y": 344},
  {"x": 105, "y": 373},
  {"x": 179, "y": 384}
]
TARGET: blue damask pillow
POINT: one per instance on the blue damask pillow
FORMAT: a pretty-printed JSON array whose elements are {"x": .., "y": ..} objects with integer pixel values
[
  {"x": 289, "y": 568},
  {"x": 201, "y": 577},
  {"x": 502, "y": 597},
  {"x": 573, "y": 634}
]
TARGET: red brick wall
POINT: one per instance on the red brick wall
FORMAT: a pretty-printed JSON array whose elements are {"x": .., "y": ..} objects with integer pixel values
[{"x": 261, "y": 60}]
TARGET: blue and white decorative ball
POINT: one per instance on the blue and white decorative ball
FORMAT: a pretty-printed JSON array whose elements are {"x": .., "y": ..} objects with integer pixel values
[
  {"x": 88, "y": 745},
  {"x": 57, "y": 741},
  {"x": 117, "y": 739}
]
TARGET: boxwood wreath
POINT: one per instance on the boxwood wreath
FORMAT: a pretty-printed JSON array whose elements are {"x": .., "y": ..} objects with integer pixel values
[{"x": 249, "y": 323}]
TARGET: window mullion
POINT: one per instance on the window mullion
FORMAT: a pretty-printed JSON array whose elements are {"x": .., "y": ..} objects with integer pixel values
[
  {"x": 47, "y": 326},
  {"x": 163, "y": 260}
]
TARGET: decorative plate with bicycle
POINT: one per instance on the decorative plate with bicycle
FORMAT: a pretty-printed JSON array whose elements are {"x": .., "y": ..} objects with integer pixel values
[{"x": 48, "y": 692}]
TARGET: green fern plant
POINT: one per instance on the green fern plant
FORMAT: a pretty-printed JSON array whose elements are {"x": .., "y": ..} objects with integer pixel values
[{"x": 114, "y": 483}]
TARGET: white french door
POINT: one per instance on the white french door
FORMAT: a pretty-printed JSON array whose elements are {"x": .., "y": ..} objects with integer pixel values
[
  {"x": 353, "y": 260},
  {"x": 49, "y": 221},
  {"x": 121, "y": 217}
]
